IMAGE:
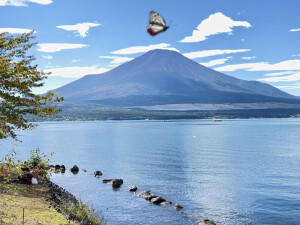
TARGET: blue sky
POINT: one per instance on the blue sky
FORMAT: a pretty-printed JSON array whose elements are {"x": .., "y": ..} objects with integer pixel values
[{"x": 251, "y": 40}]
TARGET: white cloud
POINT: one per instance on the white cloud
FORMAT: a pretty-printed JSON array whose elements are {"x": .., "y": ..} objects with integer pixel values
[
  {"x": 56, "y": 47},
  {"x": 75, "y": 60},
  {"x": 23, "y": 2},
  {"x": 15, "y": 30},
  {"x": 42, "y": 2},
  {"x": 215, "y": 24},
  {"x": 289, "y": 87},
  {"x": 297, "y": 55},
  {"x": 263, "y": 66},
  {"x": 117, "y": 59},
  {"x": 248, "y": 57},
  {"x": 294, "y": 30},
  {"x": 113, "y": 65},
  {"x": 74, "y": 72},
  {"x": 142, "y": 49},
  {"x": 290, "y": 78},
  {"x": 279, "y": 73},
  {"x": 81, "y": 29},
  {"x": 49, "y": 57},
  {"x": 215, "y": 62},
  {"x": 206, "y": 53}
]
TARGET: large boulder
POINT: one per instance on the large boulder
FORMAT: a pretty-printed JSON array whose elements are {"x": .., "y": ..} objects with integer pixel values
[
  {"x": 57, "y": 167},
  {"x": 74, "y": 169},
  {"x": 207, "y": 222},
  {"x": 117, "y": 183},
  {"x": 157, "y": 200}
]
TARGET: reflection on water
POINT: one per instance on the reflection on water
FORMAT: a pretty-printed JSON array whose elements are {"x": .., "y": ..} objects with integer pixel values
[{"x": 233, "y": 172}]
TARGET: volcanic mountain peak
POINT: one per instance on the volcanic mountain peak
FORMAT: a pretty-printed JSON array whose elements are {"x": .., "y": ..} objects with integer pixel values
[{"x": 164, "y": 77}]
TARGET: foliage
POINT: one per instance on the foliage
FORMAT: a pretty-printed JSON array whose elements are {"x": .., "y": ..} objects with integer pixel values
[
  {"x": 9, "y": 168},
  {"x": 18, "y": 77},
  {"x": 82, "y": 213},
  {"x": 39, "y": 163}
]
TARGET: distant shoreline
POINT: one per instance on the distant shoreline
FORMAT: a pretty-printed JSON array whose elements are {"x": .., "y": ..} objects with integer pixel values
[{"x": 97, "y": 112}]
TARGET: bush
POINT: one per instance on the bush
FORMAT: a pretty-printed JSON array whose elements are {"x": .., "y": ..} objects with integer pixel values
[
  {"x": 38, "y": 163},
  {"x": 9, "y": 168}
]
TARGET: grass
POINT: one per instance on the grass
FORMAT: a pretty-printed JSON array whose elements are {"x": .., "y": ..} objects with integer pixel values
[{"x": 15, "y": 197}]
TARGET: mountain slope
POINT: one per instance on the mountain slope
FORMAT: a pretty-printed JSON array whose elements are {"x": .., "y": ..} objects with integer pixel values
[{"x": 166, "y": 77}]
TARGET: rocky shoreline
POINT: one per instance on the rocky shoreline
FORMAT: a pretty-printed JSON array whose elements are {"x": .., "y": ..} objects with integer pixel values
[{"x": 60, "y": 196}]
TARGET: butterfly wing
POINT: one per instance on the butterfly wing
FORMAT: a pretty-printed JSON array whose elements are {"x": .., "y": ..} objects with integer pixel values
[{"x": 157, "y": 24}]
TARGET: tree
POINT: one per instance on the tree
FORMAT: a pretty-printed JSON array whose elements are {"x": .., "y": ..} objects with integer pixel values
[{"x": 18, "y": 76}]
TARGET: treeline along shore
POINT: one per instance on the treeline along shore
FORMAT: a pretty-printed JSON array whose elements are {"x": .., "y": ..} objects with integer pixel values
[{"x": 79, "y": 112}]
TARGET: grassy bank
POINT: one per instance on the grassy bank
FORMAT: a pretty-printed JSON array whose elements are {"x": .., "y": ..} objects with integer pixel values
[
  {"x": 32, "y": 198},
  {"x": 43, "y": 203}
]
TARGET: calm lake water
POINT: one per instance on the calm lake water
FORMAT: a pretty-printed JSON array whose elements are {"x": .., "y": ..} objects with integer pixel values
[{"x": 234, "y": 172}]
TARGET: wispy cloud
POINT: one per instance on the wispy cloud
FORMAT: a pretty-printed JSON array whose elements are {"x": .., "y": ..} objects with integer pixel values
[
  {"x": 14, "y": 30},
  {"x": 75, "y": 60},
  {"x": 142, "y": 49},
  {"x": 295, "y": 30},
  {"x": 23, "y": 2},
  {"x": 289, "y": 87},
  {"x": 74, "y": 72},
  {"x": 279, "y": 73},
  {"x": 117, "y": 60},
  {"x": 216, "y": 23},
  {"x": 206, "y": 53},
  {"x": 215, "y": 62},
  {"x": 49, "y": 57},
  {"x": 263, "y": 66},
  {"x": 81, "y": 29},
  {"x": 56, "y": 47},
  {"x": 248, "y": 57},
  {"x": 290, "y": 78}
]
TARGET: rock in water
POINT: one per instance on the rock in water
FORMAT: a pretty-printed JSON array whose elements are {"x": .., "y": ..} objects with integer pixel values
[
  {"x": 117, "y": 183},
  {"x": 97, "y": 173},
  {"x": 107, "y": 180},
  {"x": 132, "y": 188},
  {"x": 57, "y": 167},
  {"x": 157, "y": 200},
  {"x": 166, "y": 203},
  {"x": 145, "y": 194},
  {"x": 207, "y": 222},
  {"x": 74, "y": 169},
  {"x": 178, "y": 206}
]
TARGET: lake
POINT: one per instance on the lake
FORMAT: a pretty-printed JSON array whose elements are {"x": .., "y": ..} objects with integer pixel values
[{"x": 232, "y": 172}]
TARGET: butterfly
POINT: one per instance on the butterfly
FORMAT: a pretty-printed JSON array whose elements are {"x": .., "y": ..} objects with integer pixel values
[{"x": 157, "y": 24}]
